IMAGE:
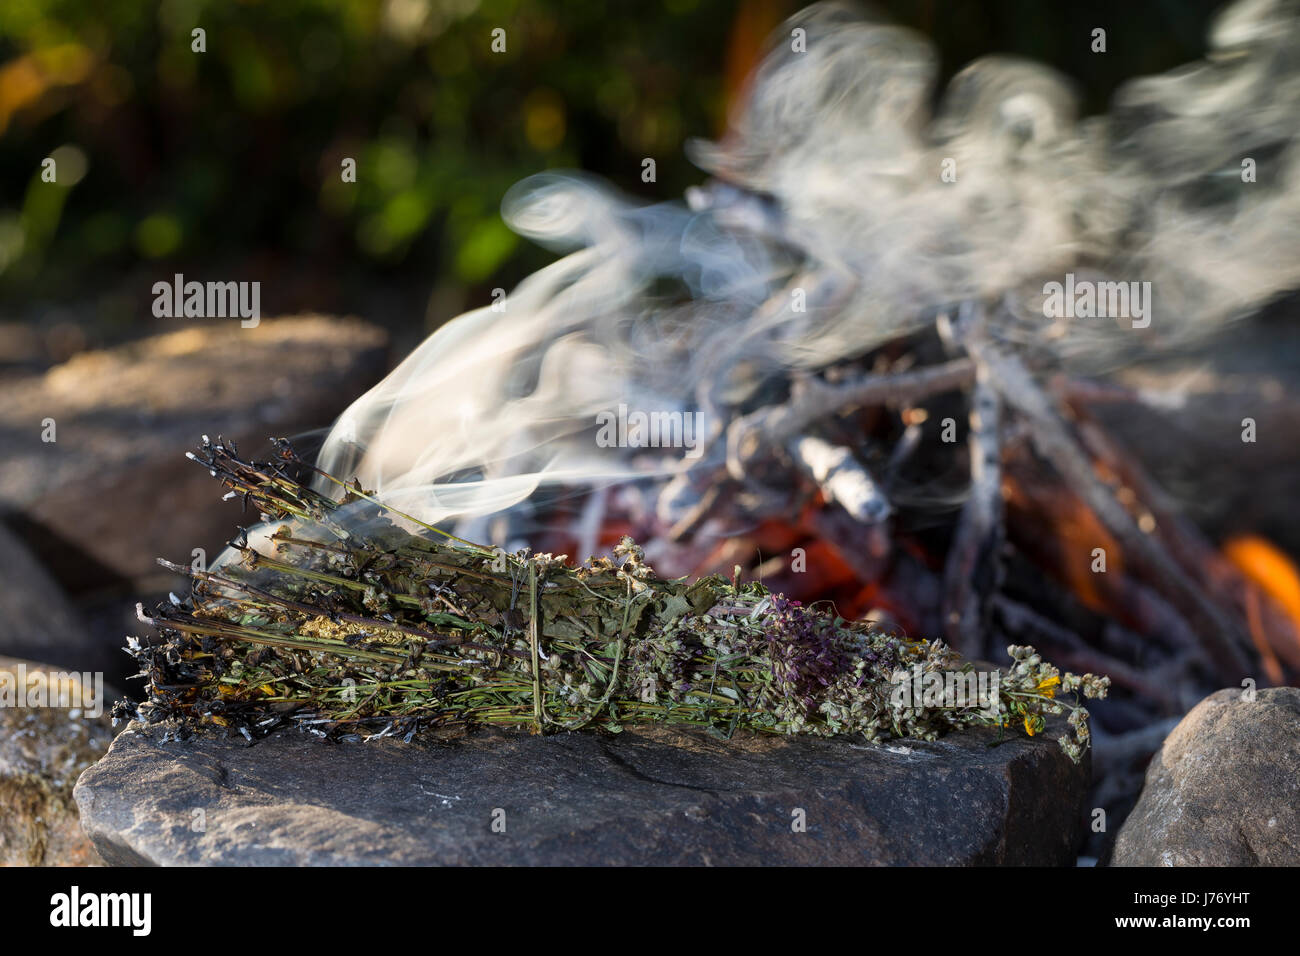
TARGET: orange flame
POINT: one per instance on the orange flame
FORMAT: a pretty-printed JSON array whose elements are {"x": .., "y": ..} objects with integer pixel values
[{"x": 1270, "y": 575}]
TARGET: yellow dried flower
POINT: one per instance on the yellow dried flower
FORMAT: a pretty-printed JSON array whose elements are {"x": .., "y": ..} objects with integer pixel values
[{"x": 1048, "y": 686}]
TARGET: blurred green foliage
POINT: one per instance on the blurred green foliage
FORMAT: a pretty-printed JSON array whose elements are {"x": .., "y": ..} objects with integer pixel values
[
  {"x": 238, "y": 150},
  {"x": 228, "y": 162}
]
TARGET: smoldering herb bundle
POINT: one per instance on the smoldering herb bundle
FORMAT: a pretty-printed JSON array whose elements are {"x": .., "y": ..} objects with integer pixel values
[{"x": 343, "y": 621}]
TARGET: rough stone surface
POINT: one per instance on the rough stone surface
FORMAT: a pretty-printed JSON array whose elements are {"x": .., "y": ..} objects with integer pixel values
[
  {"x": 42, "y": 751},
  {"x": 647, "y": 796},
  {"x": 37, "y": 621},
  {"x": 1225, "y": 788},
  {"x": 114, "y": 491}
]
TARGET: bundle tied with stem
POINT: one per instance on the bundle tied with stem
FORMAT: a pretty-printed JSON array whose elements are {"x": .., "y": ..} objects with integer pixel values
[{"x": 349, "y": 618}]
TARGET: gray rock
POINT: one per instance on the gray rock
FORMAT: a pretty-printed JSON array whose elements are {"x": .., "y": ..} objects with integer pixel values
[
  {"x": 114, "y": 491},
  {"x": 37, "y": 621},
  {"x": 42, "y": 751},
  {"x": 1225, "y": 788},
  {"x": 647, "y": 796}
]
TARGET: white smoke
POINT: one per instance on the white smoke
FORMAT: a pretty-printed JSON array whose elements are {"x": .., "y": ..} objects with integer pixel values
[{"x": 832, "y": 191}]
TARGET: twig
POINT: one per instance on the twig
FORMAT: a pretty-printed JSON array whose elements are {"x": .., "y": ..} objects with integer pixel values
[
  {"x": 1116, "y": 753},
  {"x": 1050, "y": 435},
  {"x": 973, "y": 570},
  {"x": 815, "y": 399},
  {"x": 842, "y": 478},
  {"x": 1022, "y": 621}
]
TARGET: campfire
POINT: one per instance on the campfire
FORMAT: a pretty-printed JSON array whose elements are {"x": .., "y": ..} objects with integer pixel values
[{"x": 861, "y": 366}]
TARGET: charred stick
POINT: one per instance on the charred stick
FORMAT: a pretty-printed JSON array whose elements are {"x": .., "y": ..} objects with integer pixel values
[
  {"x": 1158, "y": 618},
  {"x": 1023, "y": 622},
  {"x": 1115, "y": 754},
  {"x": 1051, "y": 436},
  {"x": 1186, "y": 543},
  {"x": 843, "y": 479},
  {"x": 972, "y": 572},
  {"x": 1197, "y": 555},
  {"x": 704, "y": 508},
  {"x": 813, "y": 399},
  {"x": 1093, "y": 392},
  {"x": 700, "y": 512},
  {"x": 903, "y": 450},
  {"x": 864, "y": 548}
]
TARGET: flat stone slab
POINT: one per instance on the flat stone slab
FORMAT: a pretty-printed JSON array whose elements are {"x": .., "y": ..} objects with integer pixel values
[{"x": 647, "y": 796}]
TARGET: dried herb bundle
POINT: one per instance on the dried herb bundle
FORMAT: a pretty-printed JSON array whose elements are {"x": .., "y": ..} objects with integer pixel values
[{"x": 344, "y": 622}]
